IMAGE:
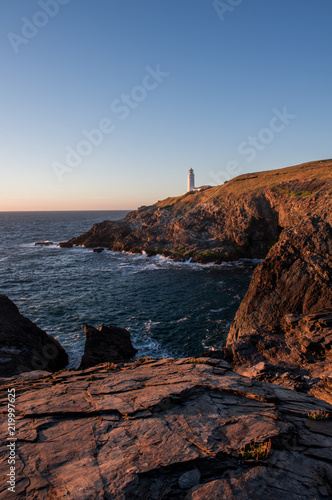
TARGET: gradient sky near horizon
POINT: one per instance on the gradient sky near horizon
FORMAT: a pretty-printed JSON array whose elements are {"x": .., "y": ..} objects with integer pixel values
[{"x": 224, "y": 78}]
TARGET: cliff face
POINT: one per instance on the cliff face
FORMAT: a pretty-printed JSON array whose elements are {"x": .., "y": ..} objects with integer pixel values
[
  {"x": 242, "y": 218},
  {"x": 193, "y": 428},
  {"x": 283, "y": 329},
  {"x": 294, "y": 278},
  {"x": 24, "y": 346},
  {"x": 162, "y": 429}
]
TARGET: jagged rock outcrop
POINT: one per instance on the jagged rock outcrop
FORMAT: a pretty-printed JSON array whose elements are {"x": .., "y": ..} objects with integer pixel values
[
  {"x": 163, "y": 429},
  {"x": 106, "y": 344},
  {"x": 24, "y": 346},
  {"x": 43, "y": 243},
  {"x": 242, "y": 218},
  {"x": 98, "y": 250},
  {"x": 283, "y": 328}
]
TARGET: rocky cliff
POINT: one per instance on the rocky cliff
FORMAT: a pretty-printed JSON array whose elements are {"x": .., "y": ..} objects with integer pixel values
[
  {"x": 166, "y": 429},
  {"x": 24, "y": 346},
  {"x": 193, "y": 428},
  {"x": 283, "y": 329},
  {"x": 242, "y": 218}
]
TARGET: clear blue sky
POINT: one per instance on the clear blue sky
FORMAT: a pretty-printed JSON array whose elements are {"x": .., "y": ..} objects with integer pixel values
[{"x": 173, "y": 84}]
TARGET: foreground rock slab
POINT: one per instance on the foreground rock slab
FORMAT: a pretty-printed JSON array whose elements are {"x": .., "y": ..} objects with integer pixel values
[
  {"x": 25, "y": 347},
  {"x": 158, "y": 429}
]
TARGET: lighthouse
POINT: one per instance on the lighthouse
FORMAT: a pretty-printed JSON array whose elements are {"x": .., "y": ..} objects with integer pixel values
[{"x": 191, "y": 180}]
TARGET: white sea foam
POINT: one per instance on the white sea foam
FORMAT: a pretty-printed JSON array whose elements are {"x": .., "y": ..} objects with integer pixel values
[
  {"x": 206, "y": 343},
  {"x": 147, "y": 346},
  {"x": 40, "y": 247},
  {"x": 241, "y": 262},
  {"x": 152, "y": 263}
]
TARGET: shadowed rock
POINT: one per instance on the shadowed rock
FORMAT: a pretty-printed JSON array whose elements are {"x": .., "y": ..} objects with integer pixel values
[
  {"x": 106, "y": 344},
  {"x": 24, "y": 346},
  {"x": 44, "y": 243},
  {"x": 65, "y": 244}
]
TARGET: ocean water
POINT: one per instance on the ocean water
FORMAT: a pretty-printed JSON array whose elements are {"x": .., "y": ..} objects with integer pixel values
[{"x": 170, "y": 309}]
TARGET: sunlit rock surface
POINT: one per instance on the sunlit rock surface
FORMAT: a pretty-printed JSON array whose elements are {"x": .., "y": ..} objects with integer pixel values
[{"x": 155, "y": 429}]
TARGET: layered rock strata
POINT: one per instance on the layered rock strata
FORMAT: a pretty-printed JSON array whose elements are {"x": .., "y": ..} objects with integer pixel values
[{"x": 162, "y": 429}]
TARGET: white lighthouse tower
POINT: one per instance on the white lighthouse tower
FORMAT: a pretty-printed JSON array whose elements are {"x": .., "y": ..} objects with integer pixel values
[{"x": 191, "y": 180}]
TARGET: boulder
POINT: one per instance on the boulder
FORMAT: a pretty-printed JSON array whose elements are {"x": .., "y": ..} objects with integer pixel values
[
  {"x": 65, "y": 244},
  {"x": 23, "y": 346},
  {"x": 106, "y": 344}
]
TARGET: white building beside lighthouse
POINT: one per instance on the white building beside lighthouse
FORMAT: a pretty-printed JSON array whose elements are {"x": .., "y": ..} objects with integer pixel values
[{"x": 191, "y": 180}]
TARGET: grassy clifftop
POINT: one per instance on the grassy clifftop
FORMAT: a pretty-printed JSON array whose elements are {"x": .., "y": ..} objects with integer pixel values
[{"x": 305, "y": 178}]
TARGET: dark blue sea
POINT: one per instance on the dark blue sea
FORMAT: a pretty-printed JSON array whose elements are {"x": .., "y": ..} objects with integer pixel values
[{"x": 170, "y": 309}]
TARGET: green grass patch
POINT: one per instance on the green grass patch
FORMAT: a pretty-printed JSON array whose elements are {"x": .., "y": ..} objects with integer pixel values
[
  {"x": 256, "y": 451},
  {"x": 321, "y": 415},
  {"x": 110, "y": 367},
  {"x": 292, "y": 193},
  {"x": 196, "y": 361}
]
